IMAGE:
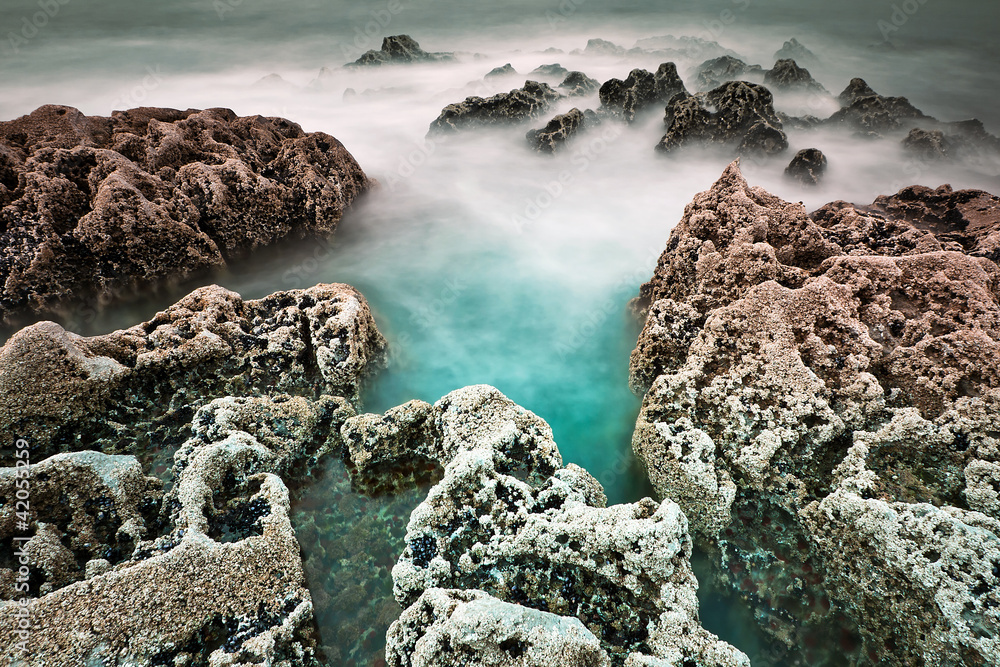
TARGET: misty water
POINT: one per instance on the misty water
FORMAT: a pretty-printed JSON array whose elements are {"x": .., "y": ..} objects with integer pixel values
[{"x": 483, "y": 261}]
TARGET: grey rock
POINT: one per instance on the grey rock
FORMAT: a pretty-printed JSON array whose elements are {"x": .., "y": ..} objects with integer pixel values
[
  {"x": 506, "y": 70},
  {"x": 399, "y": 49},
  {"x": 793, "y": 50},
  {"x": 787, "y": 75},
  {"x": 856, "y": 89},
  {"x": 578, "y": 84},
  {"x": 640, "y": 91},
  {"x": 553, "y": 71},
  {"x": 525, "y": 103},
  {"x": 807, "y": 167},
  {"x": 712, "y": 73},
  {"x": 558, "y": 130}
]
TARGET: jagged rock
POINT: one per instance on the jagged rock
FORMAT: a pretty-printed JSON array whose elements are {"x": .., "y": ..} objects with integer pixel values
[
  {"x": 518, "y": 105},
  {"x": 928, "y": 145},
  {"x": 787, "y": 75},
  {"x": 822, "y": 398},
  {"x": 93, "y": 208},
  {"x": 793, "y": 50},
  {"x": 601, "y": 47},
  {"x": 745, "y": 117},
  {"x": 965, "y": 141},
  {"x": 506, "y": 70},
  {"x": 553, "y": 71},
  {"x": 807, "y": 167},
  {"x": 855, "y": 90},
  {"x": 399, "y": 49},
  {"x": 640, "y": 91},
  {"x": 510, "y": 521},
  {"x": 452, "y": 627},
  {"x": 712, "y": 73},
  {"x": 871, "y": 113},
  {"x": 121, "y": 390},
  {"x": 559, "y": 129},
  {"x": 578, "y": 84}
]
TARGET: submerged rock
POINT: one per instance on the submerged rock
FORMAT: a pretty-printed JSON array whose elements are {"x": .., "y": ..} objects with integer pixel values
[
  {"x": 509, "y": 521},
  {"x": 530, "y": 101},
  {"x": 744, "y": 117},
  {"x": 134, "y": 390},
  {"x": 640, "y": 91},
  {"x": 96, "y": 208},
  {"x": 578, "y": 84},
  {"x": 807, "y": 167},
  {"x": 399, "y": 49},
  {"x": 560, "y": 129},
  {"x": 822, "y": 399},
  {"x": 787, "y": 75}
]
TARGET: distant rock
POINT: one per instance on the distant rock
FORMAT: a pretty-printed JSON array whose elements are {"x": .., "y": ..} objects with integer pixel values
[
  {"x": 274, "y": 82},
  {"x": 601, "y": 47},
  {"x": 680, "y": 48},
  {"x": 521, "y": 104},
  {"x": 712, "y": 73},
  {"x": 578, "y": 84},
  {"x": 787, "y": 75},
  {"x": 399, "y": 49},
  {"x": 496, "y": 72},
  {"x": 807, "y": 122},
  {"x": 559, "y": 129},
  {"x": 96, "y": 209},
  {"x": 641, "y": 90},
  {"x": 553, "y": 71},
  {"x": 964, "y": 140},
  {"x": 744, "y": 118},
  {"x": 927, "y": 144},
  {"x": 807, "y": 167},
  {"x": 793, "y": 50},
  {"x": 870, "y": 113}
]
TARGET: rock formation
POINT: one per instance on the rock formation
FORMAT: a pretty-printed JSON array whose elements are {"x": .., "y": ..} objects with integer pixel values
[
  {"x": 530, "y": 101},
  {"x": 867, "y": 112},
  {"x": 713, "y": 73},
  {"x": 793, "y": 50},
  {"x": 641, "y": 90},
  {"x": 94, "y": 208},
  {"x": 787, "y": 75},
  {"x": 822, "y": 399},
  {"x": 399, "y": 49},
  {"x": 807, "y": 167},
  {"x": 578, "y": 84},
  {"x": 551, "y": 137}
]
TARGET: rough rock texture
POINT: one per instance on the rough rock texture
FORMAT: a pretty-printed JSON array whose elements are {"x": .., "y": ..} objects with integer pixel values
[
  {"x": 509, "y": 520},
  {"x": 96, "y": 208},
  {"x": 447, "y": 628},
  {"x": 822, "y": 397},
  {"x": 787, "y": 75},
  {"x": 399, "y": 49},
  {"x": 640, "y": 91},
  {"x": 578, "y": 84},
  {"x": 870, "y": 113},
  {"x": 137, "y": 389},
  {"x": 807, "y": 167},
  {"x": 964, "y": 141},
  {"x": 928, "y": 145},
  {"x": 530, "y": 101},
  {"x": 744, "y": 117},
  {"x": 713, "y": 73},
  {"x": 793, "y": 50},
  {"x": 551, "y": 137}
]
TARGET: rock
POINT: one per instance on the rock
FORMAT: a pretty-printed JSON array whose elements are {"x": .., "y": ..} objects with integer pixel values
[
  {"x": 448, "y": 627},
  {"x": 871, "y": 113},
  {"x": 786, "y": 75},
  {"x": 640, "y": 91},
  {"x": 807, "y": 122},
  {"x": 822, "y": 399},
  {"x": 745, "y": 117},
  {"x": 602, "y": 47},
  {"x": 578, "y": 84},
  {"x": 518, "y": 105},
  {"x": 927, "y": 145},
  {"x": 684, "y": 47},
  {"x": 855, "y": 90},
  {"x": 965, "y": 141},
  {"x": 506, "y": 70},
  {"x": 558, "y": 130},
  {"x": 119, "y": 390},
  {"x": 554, "y": 71},
  {"x": 275, "y": 82},
  {"x": 712, "y": 73},
  {"x": 509, "y": 521},
  {"x": 399, "y": 49},
  {"x": 95, "y": 208},
  {"x": 807, "y": 167},
  {"x": 793, "y": 50}
]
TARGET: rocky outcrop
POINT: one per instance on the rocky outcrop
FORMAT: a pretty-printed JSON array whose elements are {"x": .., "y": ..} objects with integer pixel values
[
  {"x": 601, "y": 47},
  {"x": 744, "y": 118},
  {"x": 396, "y": 50},
  {"x": 964, "y": 141},
  {"x": 578, "y": 84},
  {"x": 554, "y": 71},
  {"x": 807, "y": 167},
  {"x": 95, "y": 208},
  {"x": 867, "y": 112},
  {"x": 641, "y": 90},
  {"x": 530, "y": 101},
  {"x": 506, "y": 70},
  {"x": 822, "y": 400},
  {"x": 135, "y": 390},
  {"x": 855, "y": 90},
  {"x": 787, "y": 75},
  {"x": 793, "y": 50},
  {"x": 551, "y": 137},
  {"x": 713, "y": 73},
  {"x": 927, "y": 144},
  {"x": 510, "y": 533}
]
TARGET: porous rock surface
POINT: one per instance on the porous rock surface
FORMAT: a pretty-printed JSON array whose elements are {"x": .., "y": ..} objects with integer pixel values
[
  {"x": 822, "y": 398},
  {"x": 787, "y": 75},
  {"x": 509, "y": 521},
  {"x": 578, "y": 84},
  {"x": 639, "y": 91},
  {"x": 95, "y": 208},
  {"x": 529, "y": 101},
  {"x": 807, "y": 167},
  {"x": 136, "y": 389},
  {"x": 743, "y": 117},
  {"x": 869, "y": 113},
  {"x": 558, "y": 130}
]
